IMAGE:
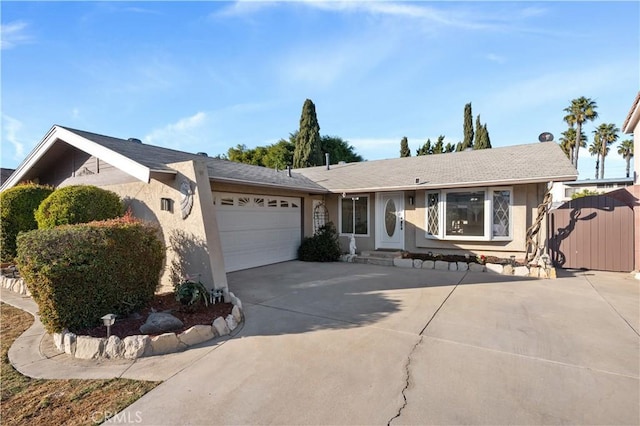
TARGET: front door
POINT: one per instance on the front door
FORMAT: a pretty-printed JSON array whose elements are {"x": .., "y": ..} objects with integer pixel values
[{"x": 390, "y": 220}]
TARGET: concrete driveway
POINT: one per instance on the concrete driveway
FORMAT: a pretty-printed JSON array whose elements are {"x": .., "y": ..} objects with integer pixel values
[{"x": 363, "y": 344}]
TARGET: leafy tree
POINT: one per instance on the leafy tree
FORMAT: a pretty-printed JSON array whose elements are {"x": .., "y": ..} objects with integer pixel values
[
  {"x": 568, "y": 140},
  {"x": 581, "y": 109},
  {"x": 626, "y": 150},
  {"x": 17, "y": 207},
  {"x": 280, "y": 154},
  {"x": 425, "y": 149},
  {"x": 339, "y": 150},
  {"x": 606, "y": 134},
  {"x": 307, "y": 150},
  {"x": 438, "y": 148},
  {"x": 449, "y": 147},
  {"x": 595, "y": 149},
  {"x": 585, "y": 193},
  {"x": 467, "y": 128},
  {"x": 404, "y": 148}
]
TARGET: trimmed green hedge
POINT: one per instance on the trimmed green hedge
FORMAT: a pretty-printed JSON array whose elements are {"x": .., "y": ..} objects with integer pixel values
[
  {"x": 78, "y": 273},
  {"x": 322, "y": 247},
  {"x": 17, "y": 207},
  {"x": 78, "y": 204}
]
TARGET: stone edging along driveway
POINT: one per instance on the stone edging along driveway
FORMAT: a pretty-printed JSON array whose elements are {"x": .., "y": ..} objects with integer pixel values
[{"x": 133, "y": 347}]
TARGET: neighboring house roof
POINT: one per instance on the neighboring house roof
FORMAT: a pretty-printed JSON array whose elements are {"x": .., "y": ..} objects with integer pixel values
[
  {"x": 142, "y": 161},
  {"x": 4, "y": 174},
  {"x": 632, "y": 117},
  {"x": 539, "y": 162},
  {"x": 608, "y": 181}
]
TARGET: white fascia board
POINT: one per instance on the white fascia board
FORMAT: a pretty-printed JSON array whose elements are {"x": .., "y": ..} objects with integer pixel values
[
  {"x": 56, "y": 133},
  {"x": 632, "y": 121},
  {"x": 268, "y": 185},
  {"x": 426, "y": 185}
]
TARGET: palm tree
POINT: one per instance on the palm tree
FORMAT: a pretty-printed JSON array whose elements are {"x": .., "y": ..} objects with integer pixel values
[
  {"x": 626, "y": 150},
  {"x": 605, "y": 135},
  {"x": 594, "y": 149},
  {"x": 581, "y": 109},
  {"x": 568, "y": 141}
]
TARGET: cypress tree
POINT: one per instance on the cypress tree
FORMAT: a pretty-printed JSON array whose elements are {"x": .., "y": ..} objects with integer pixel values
[
  {"x": 485, "y": 134},
  {"x": 425, "y": 149},
  {"x": 468, "y": 128},
  {"x": 438, "y": 148},
  {"x": 404, "y": 148},
  {"x": 478, "y": 142},
  {"x": 307, "y": 150}
]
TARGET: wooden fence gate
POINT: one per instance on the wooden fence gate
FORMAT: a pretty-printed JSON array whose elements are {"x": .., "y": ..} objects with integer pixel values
[{"x": 592, "y": 232}]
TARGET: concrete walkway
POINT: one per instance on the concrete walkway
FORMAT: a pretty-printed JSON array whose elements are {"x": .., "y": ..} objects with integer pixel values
[{"x": 363, "y": 344}]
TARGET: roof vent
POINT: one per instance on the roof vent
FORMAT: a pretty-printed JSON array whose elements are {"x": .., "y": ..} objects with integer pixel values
[
  {"x": 134, "y": 140},
  {"x": 203, "y": 154}
]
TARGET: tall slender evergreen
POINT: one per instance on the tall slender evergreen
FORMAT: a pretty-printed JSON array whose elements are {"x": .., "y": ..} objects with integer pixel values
[
  {"x": 307, "y": 151},
  {"x": 404, "y": 148},
  {"x": 467, "y": 127}
]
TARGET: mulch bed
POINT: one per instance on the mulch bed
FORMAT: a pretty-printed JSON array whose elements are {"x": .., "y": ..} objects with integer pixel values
[
  {"x": 459, "y": 258},
  {"x": 197, "y": 314}
]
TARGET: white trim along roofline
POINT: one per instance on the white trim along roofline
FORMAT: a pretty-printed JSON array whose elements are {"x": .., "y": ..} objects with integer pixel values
[
  {"x": 58, "y": 133},
  {"x": 421, "y": 186},
  {"x": 269, "y": 185}
]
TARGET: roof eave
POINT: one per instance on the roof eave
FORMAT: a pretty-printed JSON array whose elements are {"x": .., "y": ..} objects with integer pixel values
[
  {"x": 269, "y": 185},
  {"x": 57, "y": 133},
  {"x": 633, "y": 117},
  {"x": 426, "y": 185}
]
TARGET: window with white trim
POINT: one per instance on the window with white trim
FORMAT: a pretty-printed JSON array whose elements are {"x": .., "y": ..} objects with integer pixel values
[
  {"x": 361, "y": 204},
  {"x": 469, "y": 214}
]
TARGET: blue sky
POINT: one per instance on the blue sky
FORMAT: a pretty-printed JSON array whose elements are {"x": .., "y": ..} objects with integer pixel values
[{"x": 205, "y": 76}]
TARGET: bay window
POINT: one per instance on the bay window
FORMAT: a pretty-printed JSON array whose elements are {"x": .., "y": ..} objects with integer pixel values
[{"x": 469, "y": 214}]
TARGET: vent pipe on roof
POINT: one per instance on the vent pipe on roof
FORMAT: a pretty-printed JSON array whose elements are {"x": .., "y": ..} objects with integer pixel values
[
  {"x": 288, "y": 170},
  {"x": 326, "y": 156},
  {"x": 135, "y": 140}
]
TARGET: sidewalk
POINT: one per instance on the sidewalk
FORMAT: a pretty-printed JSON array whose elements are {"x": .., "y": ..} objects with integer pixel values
[{"x": 34, "y": 355}]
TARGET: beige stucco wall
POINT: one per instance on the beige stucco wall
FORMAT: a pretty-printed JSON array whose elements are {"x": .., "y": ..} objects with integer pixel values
[
  {"x": 192, "y": 243},
  {"x": 524, "y": 211}
]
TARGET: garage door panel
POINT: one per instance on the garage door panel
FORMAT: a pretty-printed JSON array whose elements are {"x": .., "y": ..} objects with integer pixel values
[{"x": 257, "y": 230}]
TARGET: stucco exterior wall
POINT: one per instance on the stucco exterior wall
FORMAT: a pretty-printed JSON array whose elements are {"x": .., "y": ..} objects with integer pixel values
[
  {"x": 526, "y": 199},
  {"x": 191, "y": 249}
]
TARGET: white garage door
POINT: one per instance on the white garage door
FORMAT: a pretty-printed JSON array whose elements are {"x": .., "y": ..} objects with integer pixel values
[{"x": 257, "y": 230}]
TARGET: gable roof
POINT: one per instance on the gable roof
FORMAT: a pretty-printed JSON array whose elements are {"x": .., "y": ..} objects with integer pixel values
[
  {"x": 519, "y": 164},
  {"x": 143, "y": 161},
  {"x": 539, "y": 162}
]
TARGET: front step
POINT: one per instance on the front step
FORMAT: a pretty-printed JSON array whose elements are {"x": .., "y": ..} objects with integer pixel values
[{"x": 384, "y": 258}]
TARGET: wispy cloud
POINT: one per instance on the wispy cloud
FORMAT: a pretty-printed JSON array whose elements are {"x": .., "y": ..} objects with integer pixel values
[
  {"x": 457, "y": 16},
  {"x": 184, "y": 132},
  {"x": 10, "y": 129},
  {"x": 496, "y": 58},
  {"x": 13, "y": 34}
]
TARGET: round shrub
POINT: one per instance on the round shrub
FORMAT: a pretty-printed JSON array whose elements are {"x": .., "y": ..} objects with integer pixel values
[
  {"x": 78, "y": 273},
  {"x": 17, "y": 207},
  {"x": 78, "y": 204},
  {"x": 322, "y": 247}
]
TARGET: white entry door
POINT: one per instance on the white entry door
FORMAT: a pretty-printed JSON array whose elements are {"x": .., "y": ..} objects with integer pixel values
[{"x": 390, "y": 220}]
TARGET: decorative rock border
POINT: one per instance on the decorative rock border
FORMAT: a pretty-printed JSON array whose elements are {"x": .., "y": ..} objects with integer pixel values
[
  {"x": 534, "y": 271},
  {"x": 520, "y": 271},
  {"x": 132, "y": 347},
  {"x": 16, "y": 285}
]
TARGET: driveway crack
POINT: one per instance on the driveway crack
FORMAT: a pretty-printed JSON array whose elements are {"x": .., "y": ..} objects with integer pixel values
[{"x": 413, "y": 349}]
